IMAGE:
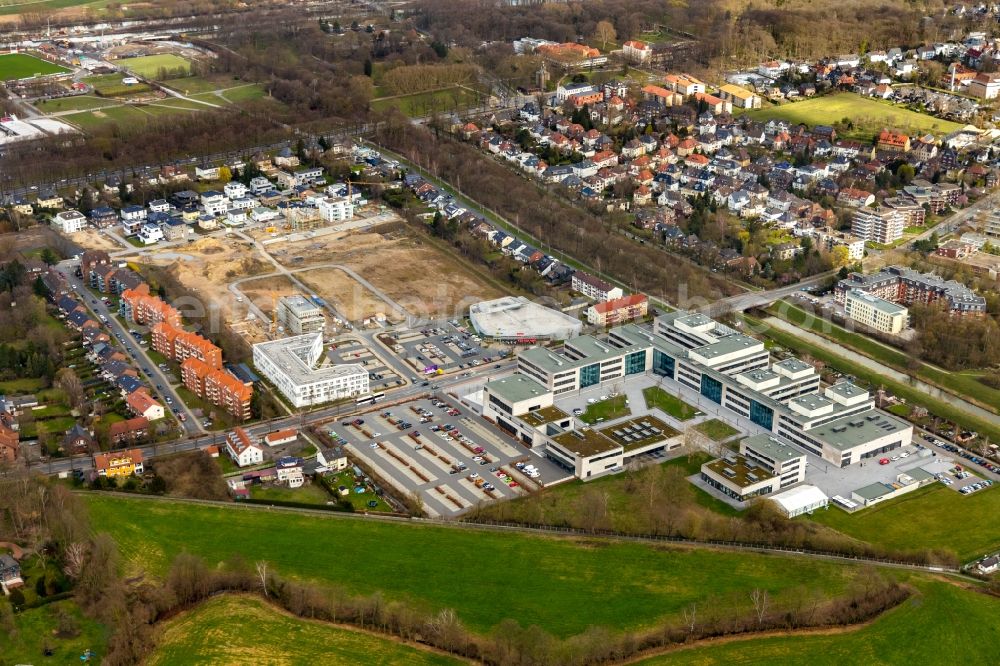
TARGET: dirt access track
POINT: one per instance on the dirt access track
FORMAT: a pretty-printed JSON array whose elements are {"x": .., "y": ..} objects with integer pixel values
[{"x": 426, "y": 281}]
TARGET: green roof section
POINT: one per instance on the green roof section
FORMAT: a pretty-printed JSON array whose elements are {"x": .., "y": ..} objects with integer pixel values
[
  {"x": 540, "y": 417},
  {"x": 585, "y": 442}
]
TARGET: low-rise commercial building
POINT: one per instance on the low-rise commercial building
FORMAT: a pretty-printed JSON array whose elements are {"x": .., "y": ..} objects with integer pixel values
[
  {"x": 764, "y": 465},
  {"x": 299, "y": 368}
]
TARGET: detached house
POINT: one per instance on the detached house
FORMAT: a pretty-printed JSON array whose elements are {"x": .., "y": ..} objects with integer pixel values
[
  {"x": 119, "y": 463},
  {"x": 242, "y": 449}
]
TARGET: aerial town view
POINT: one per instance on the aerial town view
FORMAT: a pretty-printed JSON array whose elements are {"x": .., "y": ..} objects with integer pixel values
[{"x": 505, "y": 332}]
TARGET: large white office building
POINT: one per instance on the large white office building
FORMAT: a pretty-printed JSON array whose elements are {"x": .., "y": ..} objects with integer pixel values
[
  {"x": 838, "y": 423},
  {"x": 300, "y": 369}
]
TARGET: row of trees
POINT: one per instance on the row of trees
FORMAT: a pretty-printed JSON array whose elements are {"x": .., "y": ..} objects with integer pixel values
[
  {"x": 560, "y": 224},
  {"x": 190, "y": 580},
  {"x": 658, "y": 500}
]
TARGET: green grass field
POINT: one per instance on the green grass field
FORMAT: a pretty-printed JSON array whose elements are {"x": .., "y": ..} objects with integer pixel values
[
  {"x": 110, "y": 85},
  {"x": 963, "y": 385},
  {"x": 15, "y": 66},
  {"x": 716, "y": 430},
  {"x": 941, "y": 624},
  {"x": 78, "y": 103},
  {"x": 22, "y": 385},
  {"x": 120, "y": 115},
  {"x": 150, "y": 66},
  {"x": 668, "y": 404},
  {"x": 426, "y": 103},
  {"x": 309, "y": 494},
  {"x": 612, "y": 408},
  {"x": 216, "y": 632},
  {"x": 35, "y": 629},
  {"x": 544, "y": 581},
  {"x": 912, "y": 395},
  {"x": 243, "y": 93},
  {"x": 932, "y": 517},
  {"x": 869, "y": 115}
]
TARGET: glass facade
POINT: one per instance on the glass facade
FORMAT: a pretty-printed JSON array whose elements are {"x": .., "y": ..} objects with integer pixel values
[
  {"x": 635, "y": 363},
  {"x": 663, "y": 364},
  {"x": 711, "y": 388},
  {"x": 590, "y": 375},
  {"x": 762, "y": 415}
]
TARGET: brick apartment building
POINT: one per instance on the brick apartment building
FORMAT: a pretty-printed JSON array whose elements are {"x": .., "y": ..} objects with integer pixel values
[
  {"x": 217, "y": 387},
  {"x": 139, "y": 306},
  {"x": 907, "y": 286},
  {"x": 180, "y": 345}
]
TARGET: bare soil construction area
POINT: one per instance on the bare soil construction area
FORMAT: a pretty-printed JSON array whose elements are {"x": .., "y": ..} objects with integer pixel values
[
  {"x": 209, "y": 265},
  {"x": 349, "y": 296}
]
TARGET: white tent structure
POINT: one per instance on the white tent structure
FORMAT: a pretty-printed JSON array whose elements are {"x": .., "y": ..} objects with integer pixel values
[{"x": 800, "y": 499}]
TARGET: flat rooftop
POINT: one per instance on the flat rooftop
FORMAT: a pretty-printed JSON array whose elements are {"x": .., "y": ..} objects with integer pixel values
[
  {"x": 793, "y": 365},
  {"x": 880, "y": 304},
  {"x": 846, "y": 389},
  {"x": 739, "y": 470},
  {"x": 516, "y": 387},
  {"x": 585, "y": 442},
  {"x": 544, "y": 415},
  {"x": 301, "y": 306},
  {"x": 639, "y": 432},
  {"x": 297, "y": 357},
  {"x": 772, "y": 448},
  {"x": 873, "y": 491},
  {"x": 727, "y": 345},
  {"x": 517, "y": 317},
  {"x": 856, "y": 429},
  {"x": 812, "y": 401}
]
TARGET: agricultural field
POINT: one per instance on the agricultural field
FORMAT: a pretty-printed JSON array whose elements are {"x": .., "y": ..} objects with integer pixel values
[
  {"x": 435, "y": 567},
  {"x": 215, "y": 632},
  {"x": 932, "y": 517},
  {"x": 941, "y": 623},
  {"x": 15, "y": 66},
  {"x": 150, "y": 66},
  {"x": 868, "y": 115},
  {"x": 426, "y": 103}
]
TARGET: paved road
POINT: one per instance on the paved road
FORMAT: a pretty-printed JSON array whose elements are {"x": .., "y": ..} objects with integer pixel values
[
  {"x": 754, "y": 299},
  {"x": 153, "y": 373},
  {"x": 198, "y": 441}
]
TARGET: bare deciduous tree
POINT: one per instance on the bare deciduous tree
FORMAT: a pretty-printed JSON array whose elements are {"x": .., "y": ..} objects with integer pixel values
[
  {"x": 605, "y": 31},
  {"x": 261, "y": 567},
  {"x": 759, "y": 599}
]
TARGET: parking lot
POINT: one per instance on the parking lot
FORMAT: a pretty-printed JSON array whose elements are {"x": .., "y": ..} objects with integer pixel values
[
  {"x": 351, "y": 350},
  {"x": 440, "y": 450},
  {"x": 442, "y": 348}
]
